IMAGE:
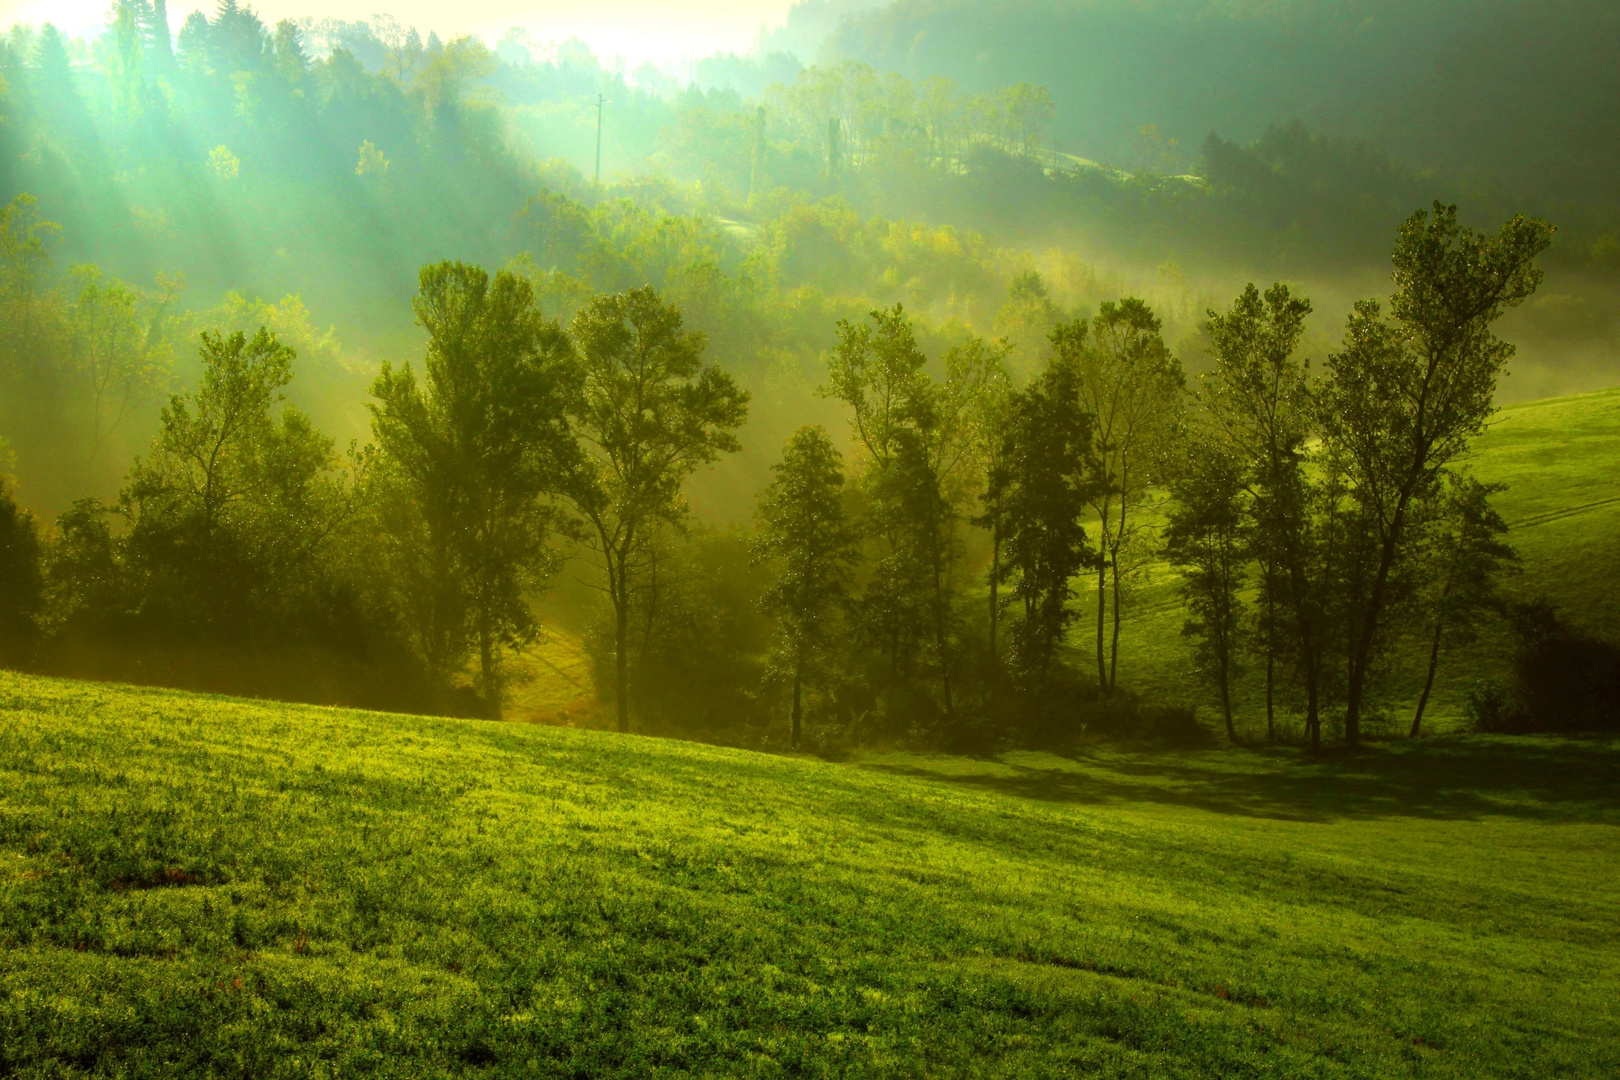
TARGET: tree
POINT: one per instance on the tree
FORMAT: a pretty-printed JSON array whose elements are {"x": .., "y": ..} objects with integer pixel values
[
  {"x": 1028, "y": 109},
  {"x": 1026, "y": 320},
  {"x": 877, "y": 370},
  {"x": 25, "y": 303},
  {"x": 1258, "y": 397},
  {"x": 85, "y": 580},
  {"x": 118, "y": 344},
  {"x": 806, "y": 531},
  {"x": 992, "y": 411},
  {"x": 233, "y": 504},
  {"x": 1206, "y": 539},
  {"x": 1043, "y": 484},
  {"x": 1317, "y": 539},
  {"x": 648, "y": 414},
  {"x": 1466, "y": 555},
  {"x": 1133, "y": 388},
  {"x": 476, "y": 447},
  {"x": 21, "y": 576},
  {"x": 1406, "y": 393},
  {"x": 918, "y": 436}
]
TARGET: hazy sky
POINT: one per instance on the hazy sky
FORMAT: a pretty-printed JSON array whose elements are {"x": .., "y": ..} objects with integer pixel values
[{"x": 634, "y": 29}]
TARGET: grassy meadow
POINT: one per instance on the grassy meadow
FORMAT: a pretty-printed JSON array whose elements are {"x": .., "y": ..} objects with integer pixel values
[{"x": 192, "y": 885}]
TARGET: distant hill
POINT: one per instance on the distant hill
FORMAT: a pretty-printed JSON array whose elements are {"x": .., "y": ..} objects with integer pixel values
[{"x": 1498, "y": 91}]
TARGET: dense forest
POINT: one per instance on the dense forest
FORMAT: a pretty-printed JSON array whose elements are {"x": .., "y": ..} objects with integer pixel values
[{"x": 832, "y": 399}]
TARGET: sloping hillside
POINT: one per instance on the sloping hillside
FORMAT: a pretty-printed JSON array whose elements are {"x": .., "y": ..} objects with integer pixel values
[
  {"x": 203, "y": 886},
  {"x": 1479, "y": 88},
  {"x": 1562, "y": 504}
]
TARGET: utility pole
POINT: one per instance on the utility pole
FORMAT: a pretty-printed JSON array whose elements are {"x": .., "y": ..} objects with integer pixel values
[
  {"x": 833, "y": 150},
  {"x": 756, "y": 173},
  {"x": 600, "y": 101}
]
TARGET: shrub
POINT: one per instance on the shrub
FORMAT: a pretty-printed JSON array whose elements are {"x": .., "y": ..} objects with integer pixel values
[
  {"x": 1486, "y": 706},
  {"x": 1563, "y": 679},
  {"x": 21, "y": 579}
]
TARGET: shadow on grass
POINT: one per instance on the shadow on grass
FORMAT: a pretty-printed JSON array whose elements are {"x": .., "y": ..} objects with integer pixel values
[{"x": 1555, "y": 779}]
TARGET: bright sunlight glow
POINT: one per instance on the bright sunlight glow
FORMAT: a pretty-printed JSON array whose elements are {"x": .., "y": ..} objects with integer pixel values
[{"x": 634, "y": 30}]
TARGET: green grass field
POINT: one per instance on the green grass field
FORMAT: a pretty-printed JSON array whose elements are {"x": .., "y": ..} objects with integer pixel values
[
  {"x": 1560, "y": 460},
  {"x": 199, "y": 886}
]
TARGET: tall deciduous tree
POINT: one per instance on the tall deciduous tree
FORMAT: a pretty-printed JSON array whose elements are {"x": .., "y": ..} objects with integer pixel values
[
  {"x": 118, "y": 344},
  {"x": 1465, "y": 558},
  {"x": 648, "y": 414},
  {"x": 877, "y": 369},
  {"x": 993, "y": 412},
  {"x": 476, "y": 447},
  {"x": 805, "y": 529},
  {"x": 1206, "y": 538},
  {"x": 1258, "y": 398},
  {"x": 1406, "y": 393},
  {"x": 919, "y": 438},
  {"x": 1134, "y": 389}
]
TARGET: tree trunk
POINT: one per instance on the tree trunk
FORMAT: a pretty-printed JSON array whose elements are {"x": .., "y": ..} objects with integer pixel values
[
  {"x": 621, "y": 648},
  {"x": 1313, "y": 716},
  {"x": 1352, "y": 704},
  {"x": 1226, "y": 697},
  {"x": 488, "y": 676},
  {"x": 942, "y": 642},
  {"x": 1361, "y": 645},
  {"x": 1113, "y": 649},
  {"x": 941, "y": 614},
  {"x": 1224, "y": 642},
  {"x": 1102, "y": 611},
  {"x": 995, "y": 594},
  {"x": 1428, "y": 680},
  {"x": 798, "y": 677},
  {"x": 1271, "y": 659}
]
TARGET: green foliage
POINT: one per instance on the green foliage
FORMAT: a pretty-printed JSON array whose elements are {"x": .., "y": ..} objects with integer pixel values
[
  {"x": 1480, "y": 88},
  {"x": 1404, "y": 397},
  {"x": 229, "y": 510},
  {"x": 1257, "y": 401},
  {"x": 1562, "y": 679},
  {"x": 118, "y": 343},
  {"x": 468, "y": 458},
  {"x": 918, "y": 437},
  {"x": 805, "y": 531},
  {"x": 1462, "y": 560},
  {"x": 1042, "y": 485},
  {"x": 1132, "y": 387},
  {"x": 21, "y": 578},
  {"x": 698, "y": 663},
  {"x": 1207, "y": 538},
  {"x": 648, "y": 413}
]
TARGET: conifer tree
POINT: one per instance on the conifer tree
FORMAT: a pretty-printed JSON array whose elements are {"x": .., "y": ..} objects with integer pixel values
[{"x": 806, "y": 531}]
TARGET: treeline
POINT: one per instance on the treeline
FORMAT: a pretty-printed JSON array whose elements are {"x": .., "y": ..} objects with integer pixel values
[
  {"x": 356, "y": 152},
  {"x": 229, "y": 141},
  {"x": 953, "y": 573},
  {"x": 244, "y": 552}
]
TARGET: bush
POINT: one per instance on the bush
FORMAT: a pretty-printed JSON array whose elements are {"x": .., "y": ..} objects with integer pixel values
[
  {"x": 1486, "y": 706},
  {"x": 1563, "y": 679},
  {"x": 21, "y": 580}
]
